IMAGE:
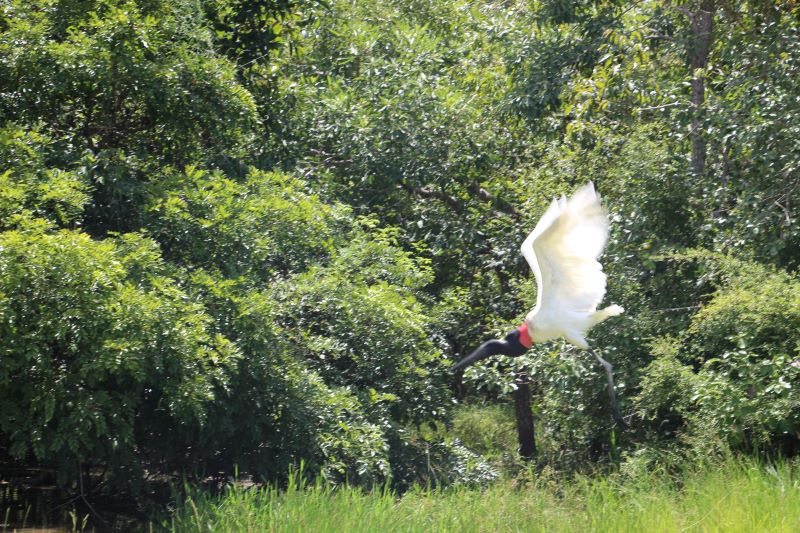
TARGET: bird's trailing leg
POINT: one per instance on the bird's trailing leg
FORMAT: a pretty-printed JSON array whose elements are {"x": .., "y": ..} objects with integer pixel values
[{"x": 612, "y": 393}]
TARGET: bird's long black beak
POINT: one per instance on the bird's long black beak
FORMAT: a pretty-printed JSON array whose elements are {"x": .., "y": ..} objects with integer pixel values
[
  {"x": 464, "y": 363},
  {"x": 485, "y": 350}
]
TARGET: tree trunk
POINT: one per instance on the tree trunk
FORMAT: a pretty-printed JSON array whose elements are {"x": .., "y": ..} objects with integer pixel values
[
  {"x": 522, "y": 410},
  {"x": 702, "y": 21}
]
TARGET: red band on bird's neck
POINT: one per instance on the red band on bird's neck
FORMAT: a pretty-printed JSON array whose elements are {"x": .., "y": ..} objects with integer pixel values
[{"x": 524, "y": 337}]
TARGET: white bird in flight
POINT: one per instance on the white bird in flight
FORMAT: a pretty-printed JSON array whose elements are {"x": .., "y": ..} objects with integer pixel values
[{"x": 562, "y": 251}]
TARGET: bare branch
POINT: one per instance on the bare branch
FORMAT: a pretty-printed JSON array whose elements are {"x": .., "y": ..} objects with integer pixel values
[{"x": 502, "y": 205}]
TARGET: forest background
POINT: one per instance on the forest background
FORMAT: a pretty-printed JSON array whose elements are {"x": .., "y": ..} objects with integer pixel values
[{"x": 241, "y": 235}]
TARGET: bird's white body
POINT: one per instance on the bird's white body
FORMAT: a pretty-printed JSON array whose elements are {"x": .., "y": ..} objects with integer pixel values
[{"x": 562, "y": 251}]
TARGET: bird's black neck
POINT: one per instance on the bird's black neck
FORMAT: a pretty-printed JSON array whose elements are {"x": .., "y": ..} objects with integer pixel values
[{"x": 511, "y": 346}]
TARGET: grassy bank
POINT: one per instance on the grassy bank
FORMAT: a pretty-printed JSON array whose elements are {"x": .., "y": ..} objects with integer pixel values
[{"x": 735, "y": 496}]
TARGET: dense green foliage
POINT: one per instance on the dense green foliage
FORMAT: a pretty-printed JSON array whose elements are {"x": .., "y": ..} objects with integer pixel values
[{"x": 245, "y": 234}]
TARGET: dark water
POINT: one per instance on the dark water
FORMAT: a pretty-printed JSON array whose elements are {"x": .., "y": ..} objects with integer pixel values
[
  {"x": 23, "y": 507},
  {"x": 26, "y": 505},
  {"x": 31, "y": 500}
]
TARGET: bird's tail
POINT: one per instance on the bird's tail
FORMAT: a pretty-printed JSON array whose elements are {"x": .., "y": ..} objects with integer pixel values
[{"x": 608, "y": 312}]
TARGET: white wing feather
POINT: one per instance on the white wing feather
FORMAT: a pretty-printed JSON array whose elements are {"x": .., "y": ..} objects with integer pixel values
[{"x": 562, "y": 251}]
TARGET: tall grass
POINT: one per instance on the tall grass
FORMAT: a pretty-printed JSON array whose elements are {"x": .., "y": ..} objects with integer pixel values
[{"x": 737, "y": 496}]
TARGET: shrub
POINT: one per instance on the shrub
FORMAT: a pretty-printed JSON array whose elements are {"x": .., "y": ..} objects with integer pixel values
[
  {"x": 734, "y": 374},
  {"x": 102, "y": 354}
]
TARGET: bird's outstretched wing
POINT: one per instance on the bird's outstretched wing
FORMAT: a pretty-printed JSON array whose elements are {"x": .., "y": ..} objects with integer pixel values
[{"x": 562, "y": 251}]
